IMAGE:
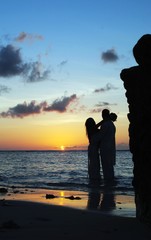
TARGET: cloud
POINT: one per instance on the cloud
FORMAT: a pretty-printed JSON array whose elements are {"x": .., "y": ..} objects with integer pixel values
[
  {"x": 26, "y": 36},
  {"x": 60, "y": 105},
  {"x": 11, "y": 64},
  {"x": 61, "y": 64},
  {"x": 109, "y": 56},
  {"x": 25, "y": 110},
  {"x": 77, "y": 147},
  {"x": 10, "y": 61},
  {"x": 4, "y": 89},
  {"x": 108, "y": 87},
  {"x": 100, "y": 106},
  {"x": 34, "y": 73},
  {"x": 96, "y": 110}
]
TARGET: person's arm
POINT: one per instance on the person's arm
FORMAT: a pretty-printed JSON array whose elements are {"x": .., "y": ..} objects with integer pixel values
[
  {"x": 99, "y": 124},
  {"x": 100, "y": 134}
]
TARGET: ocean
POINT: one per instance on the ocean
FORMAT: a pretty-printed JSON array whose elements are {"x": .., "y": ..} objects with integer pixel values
[{"x": 59, "y": 170}]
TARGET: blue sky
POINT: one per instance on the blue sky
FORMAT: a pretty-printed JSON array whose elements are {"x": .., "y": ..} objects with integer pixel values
[{"x": 70, "y": 57}]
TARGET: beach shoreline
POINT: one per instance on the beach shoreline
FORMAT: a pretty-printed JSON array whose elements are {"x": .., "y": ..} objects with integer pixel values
[
  {"x": 106, "y": 201},
  {"x": 31, "y": 215}
]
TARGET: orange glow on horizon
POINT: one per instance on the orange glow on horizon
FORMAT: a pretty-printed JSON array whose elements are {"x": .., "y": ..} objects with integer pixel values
[
  {"x": 33, "y": 137},
  {"x": 26, "y": 135}
]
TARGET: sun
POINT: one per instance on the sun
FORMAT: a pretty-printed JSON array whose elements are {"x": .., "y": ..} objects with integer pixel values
[{"x": 62, "y": 148}]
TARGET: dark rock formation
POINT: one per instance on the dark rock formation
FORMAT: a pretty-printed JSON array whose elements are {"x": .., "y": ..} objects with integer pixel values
[
  {"x": 73, "y": 198},
  {"x": 137, "y": 82},
  {"x": 50, "y": 196}
]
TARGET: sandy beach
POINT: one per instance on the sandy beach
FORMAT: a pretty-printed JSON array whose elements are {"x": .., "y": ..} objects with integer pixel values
[{"x": 44, "y": 214}]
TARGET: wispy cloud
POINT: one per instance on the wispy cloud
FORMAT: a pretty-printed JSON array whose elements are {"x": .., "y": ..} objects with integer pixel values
[
  {"x": 109, "y": 56},
  {"x": 34, "y": 72},
  {"x": 61, "y": 64},
  {"x": 100, "y": 106},
  {"x": 25, "y": 109},
  {"x": 108, "y": 87},
  {"x": 27, "y": 36},
  {"x": 4, "y": 89}
]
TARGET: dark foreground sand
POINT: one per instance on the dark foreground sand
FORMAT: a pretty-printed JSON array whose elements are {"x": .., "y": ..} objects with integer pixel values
[{"x": 22, "y": 219}]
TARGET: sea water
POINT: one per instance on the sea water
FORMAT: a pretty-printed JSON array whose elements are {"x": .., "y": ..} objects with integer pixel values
[{"x": 59, "y": 170}]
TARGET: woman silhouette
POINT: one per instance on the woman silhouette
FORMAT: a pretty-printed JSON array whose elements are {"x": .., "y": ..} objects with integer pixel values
[{"x": 93, "y": 150}]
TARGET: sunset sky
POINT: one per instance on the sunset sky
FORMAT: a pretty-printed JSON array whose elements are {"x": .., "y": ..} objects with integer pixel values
[{"x": 60, "y": 63}]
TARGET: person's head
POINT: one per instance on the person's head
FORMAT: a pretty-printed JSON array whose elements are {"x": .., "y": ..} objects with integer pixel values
[
  {"x": 90, "y": 125},
  {"x": 105, "y": 114},
  {"x": 113, "y": 116}
]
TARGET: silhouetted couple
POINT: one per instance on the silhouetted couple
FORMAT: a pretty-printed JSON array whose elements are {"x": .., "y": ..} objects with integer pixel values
[{"x": 102, "y": 147}]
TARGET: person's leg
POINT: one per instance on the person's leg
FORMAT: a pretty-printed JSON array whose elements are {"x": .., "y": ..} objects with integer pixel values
[{"x": 107, "y": 166}]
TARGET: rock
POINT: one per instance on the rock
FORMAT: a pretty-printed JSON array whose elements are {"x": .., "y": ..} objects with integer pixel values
[
  {"x": 137, "y": 82},
  {"x": 73, "y": 198},
  {"x": 49, "y": 196}
]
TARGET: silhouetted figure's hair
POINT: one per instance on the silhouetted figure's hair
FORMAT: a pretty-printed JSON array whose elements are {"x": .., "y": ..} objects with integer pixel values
[
  {"x": 113, "y": 117},
  {"x": 91, "y": 127}
]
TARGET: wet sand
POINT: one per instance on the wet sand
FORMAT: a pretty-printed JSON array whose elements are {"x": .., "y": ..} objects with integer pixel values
[{"x": 43, "y": 214}]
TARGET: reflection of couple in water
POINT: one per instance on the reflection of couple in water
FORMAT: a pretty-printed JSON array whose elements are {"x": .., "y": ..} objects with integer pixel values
[
  {"x": 101, "y": 147},
  {"x": 104, "y": 201}
]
